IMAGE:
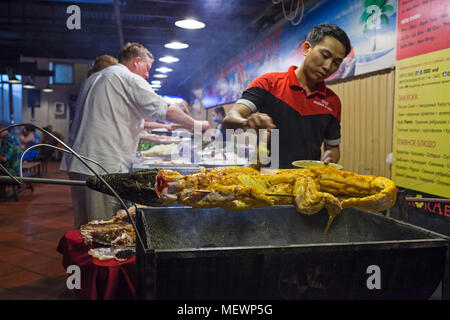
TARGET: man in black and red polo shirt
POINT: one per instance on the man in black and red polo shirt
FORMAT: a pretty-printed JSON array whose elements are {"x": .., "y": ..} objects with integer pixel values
[{"x": 297, "y": 102}]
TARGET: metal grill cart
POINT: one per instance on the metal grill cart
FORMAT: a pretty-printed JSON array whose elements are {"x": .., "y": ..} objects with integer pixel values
[
  {"x": 273, "y": 252},
  {"x": 277, "y": 253},
  {"x": 413, "y": 210}
]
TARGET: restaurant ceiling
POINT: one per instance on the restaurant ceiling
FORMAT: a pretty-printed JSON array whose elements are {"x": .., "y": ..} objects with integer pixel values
[{"x": 38, "y": 29}]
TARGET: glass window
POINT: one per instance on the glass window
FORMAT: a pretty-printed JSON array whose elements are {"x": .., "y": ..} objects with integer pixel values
[
  {"x": 5, "y": 105},
  {"x": 63, "y": 73},
  {"x": 50, "y": 67},
  {"x": 4, "y": 96}
]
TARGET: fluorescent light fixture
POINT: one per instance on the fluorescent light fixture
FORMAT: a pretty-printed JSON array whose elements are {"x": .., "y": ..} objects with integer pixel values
[
  {"x": 13, "y": 79},
  {"x": 155, "y": 85},
  {"x": 169, "y": 59},
  {"x": 29, "y": 84},
  {"x": 176, "y": 45},
  {"x": 156, "y": 82},
  {"x": 190, "y": 24},
  {"x": 160, "y": 76},
  {"x": 48, "y": 89},
  {"x": 163, "y": 69}
]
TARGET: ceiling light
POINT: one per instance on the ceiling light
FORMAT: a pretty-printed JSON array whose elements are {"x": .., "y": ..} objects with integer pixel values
[
  {"x": 13, "y": 79},
  {"x": 29, "y": 84},
  {"x": 163, "y": 69},
  {"x": 176, "y": 45},
  {"x": 160, "y": 75},
  {"x": 156, "y": 82},
  {"x": 155, "y": 85},
  {"x": 189, "y": 24},
  {"x": 48, "y": 89},
  {"x": 169, "y": 59}
]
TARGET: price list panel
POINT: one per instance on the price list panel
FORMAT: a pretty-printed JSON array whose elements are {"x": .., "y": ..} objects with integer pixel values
[
  {"x": 422, "y": 27},
  {"x": 421, "y": 153}
]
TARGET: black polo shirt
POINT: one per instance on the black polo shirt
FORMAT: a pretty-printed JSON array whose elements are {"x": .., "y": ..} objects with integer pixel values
[{"x": 304, "y": 121}]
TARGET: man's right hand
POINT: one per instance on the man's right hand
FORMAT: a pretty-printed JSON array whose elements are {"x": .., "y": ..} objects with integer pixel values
[
  {"x": 177, "y": 115},
  {"x": 203, "y": 124},
  {"x": 260, "y": 121}
]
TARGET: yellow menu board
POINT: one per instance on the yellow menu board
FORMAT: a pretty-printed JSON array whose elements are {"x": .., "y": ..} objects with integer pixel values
[{"x": 421, "y": 148}]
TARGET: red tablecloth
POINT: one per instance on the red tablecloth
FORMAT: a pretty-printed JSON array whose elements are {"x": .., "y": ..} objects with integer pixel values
[{"x": 100, "y": 280}]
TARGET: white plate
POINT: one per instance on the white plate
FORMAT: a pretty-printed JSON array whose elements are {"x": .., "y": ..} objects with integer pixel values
[
  {"x": 160, "y": 130},
  {"x": 315, "y": 164}
]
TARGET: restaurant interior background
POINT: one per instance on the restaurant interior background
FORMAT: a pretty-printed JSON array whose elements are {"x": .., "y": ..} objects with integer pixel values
[
  {"x": 239, "y": 41},
  {"x": 394, "y": 89}
]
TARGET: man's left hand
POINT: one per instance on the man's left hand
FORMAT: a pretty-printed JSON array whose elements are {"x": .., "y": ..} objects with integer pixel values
[
  {"x": 331, "y": 154},
  {"x": 328, "y": 160}
]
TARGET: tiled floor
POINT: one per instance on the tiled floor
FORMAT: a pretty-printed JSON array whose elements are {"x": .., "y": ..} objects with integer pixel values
[{"x": 30, "y": 229}]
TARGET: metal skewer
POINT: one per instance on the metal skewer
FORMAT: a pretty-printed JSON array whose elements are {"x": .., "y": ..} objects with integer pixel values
[
  {"x": 82, "y": 183},
  {"x": 410, "y": 199},
  {"x": 267, "y": 194},
  {"x": 280, "y": 195},
  {"x": 42, "y": 180},
  {"x": 407, "y": 198}
]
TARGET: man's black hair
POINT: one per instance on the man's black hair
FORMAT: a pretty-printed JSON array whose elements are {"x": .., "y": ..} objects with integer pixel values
[
  {"x": 30, "y": 128},
  {"x": 324, "y": 29},
  {"x": 220, "y": 110}
]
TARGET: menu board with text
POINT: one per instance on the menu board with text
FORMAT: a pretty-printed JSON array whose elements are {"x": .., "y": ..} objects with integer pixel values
[
  {"x": 421, "y": 146},
  {"x": 422, "y": 27}
]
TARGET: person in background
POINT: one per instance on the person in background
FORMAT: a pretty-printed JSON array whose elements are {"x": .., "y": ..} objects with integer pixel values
[
  {"x": 47, "y": 153},
  {"x": 10, "y": 153},
  {"x": 28, "y": 139},
  {"x": 112, "y": 106},
  {"x": 101, "y": 63},
  {"x": 218, "y": 114},
  {"x": 297, "y": 102}
]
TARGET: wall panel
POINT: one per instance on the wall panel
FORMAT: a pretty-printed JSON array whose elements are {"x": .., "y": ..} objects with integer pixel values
[{"x": 367, "y": 115}]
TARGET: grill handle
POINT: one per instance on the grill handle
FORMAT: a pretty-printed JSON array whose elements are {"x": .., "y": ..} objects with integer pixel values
[{"x": 9, "y": 180}]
